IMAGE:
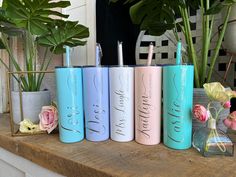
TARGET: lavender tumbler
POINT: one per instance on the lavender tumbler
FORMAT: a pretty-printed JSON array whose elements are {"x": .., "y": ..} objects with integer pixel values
[{"x": 96, "y": 103}]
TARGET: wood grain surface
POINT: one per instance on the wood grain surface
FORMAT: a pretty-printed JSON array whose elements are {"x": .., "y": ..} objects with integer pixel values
[{"x": 111, "y": 158}]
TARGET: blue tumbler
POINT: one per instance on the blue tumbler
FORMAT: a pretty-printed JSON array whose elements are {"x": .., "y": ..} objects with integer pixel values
[
  {"x": 70, "y": 103},
  {"x": 96, "y": 103},
  {"x": 177, "y": 105}
]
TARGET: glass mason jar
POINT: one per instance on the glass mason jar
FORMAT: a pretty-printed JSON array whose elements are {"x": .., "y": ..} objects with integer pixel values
[{"x": 211, "y": 141}]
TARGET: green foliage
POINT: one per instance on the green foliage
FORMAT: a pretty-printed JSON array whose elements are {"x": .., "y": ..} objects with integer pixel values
[
  {"x": 158, "y": 16},
  {"x": 63, "y": 33},
  {"x": 38, "y": 23},
  {"x": 33, "y": 15},
  {"x": 152, "y": 16},
  {"x": 2, "y": 46},
  {"x": 217, "y": 6}
]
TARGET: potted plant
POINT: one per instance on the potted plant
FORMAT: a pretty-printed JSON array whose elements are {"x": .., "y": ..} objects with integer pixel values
[
  {"x": 37, "y": 23},
  {"x": 158, "y": 16}
]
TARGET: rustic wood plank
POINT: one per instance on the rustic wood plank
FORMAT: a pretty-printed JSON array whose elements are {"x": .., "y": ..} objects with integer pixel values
[{"x": 110, "y": 158}]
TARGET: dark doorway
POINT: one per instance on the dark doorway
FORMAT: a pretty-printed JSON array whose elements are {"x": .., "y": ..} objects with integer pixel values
[
  {"x": 113, "y": 24},
  {"x": 233, "y": 105}
]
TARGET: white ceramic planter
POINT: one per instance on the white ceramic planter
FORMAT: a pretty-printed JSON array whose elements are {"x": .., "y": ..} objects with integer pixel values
[
  {"x": 32, "y": 103},
  {"x": 230, "y": 33}
]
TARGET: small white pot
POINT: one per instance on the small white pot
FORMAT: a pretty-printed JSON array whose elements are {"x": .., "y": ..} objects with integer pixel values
[
  {"x": 230, "y": 33},
  {"x": 32, "y": 103}
]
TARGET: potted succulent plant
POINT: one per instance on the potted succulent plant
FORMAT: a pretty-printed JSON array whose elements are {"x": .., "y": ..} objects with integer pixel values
[{"x": 37, "y": 23}]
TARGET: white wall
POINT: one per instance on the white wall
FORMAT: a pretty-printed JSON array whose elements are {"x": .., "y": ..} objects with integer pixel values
[{"x": 84, "y": 11}]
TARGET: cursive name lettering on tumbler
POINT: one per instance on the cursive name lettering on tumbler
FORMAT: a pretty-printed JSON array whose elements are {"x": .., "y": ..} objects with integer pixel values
[
  {"x": 120, "y": 107},
  {"x": 94, "y": 124},
  {"x": 175, "y": 123},
  {"x": 144, "y": 111},
  {"x": 174, "y": 111}
]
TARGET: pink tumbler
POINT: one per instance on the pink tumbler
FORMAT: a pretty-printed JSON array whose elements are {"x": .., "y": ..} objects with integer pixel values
[{"x": 148, "y": 104}]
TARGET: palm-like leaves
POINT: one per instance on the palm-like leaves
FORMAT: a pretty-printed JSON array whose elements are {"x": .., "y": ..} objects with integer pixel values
[
  {"x": 63, "y": 33},
  {"x": 33, "y": 18},
  {"x": 33, "y": 14},
  {"x": 157, "y": 16}
]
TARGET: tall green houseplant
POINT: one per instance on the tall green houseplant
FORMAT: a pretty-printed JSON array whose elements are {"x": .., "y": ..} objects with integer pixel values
[
  {"x": 39, "y": 24},
  {"x": 157, "y": 16}
]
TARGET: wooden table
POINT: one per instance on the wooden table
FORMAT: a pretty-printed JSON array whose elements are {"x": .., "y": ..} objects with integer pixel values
[{"x": 110, "y": 158}]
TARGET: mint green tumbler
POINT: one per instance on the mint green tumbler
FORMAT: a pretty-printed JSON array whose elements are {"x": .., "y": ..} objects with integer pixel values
[{"x": 177, "y": 105}]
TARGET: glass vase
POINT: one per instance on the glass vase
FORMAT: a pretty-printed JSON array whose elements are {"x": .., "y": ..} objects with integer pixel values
[
  {"x": 232, "y": 134},
  {"x": 211, "y": 141}
]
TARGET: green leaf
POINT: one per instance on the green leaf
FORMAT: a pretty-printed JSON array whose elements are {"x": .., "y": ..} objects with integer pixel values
[
  {"x": 137, "y": 15},
  {"x": 193, "y": 4},
  {"x": 230, "y": 1},
  {"x": 218, "y": 6},
  {"x": 33, "y": 14},
  {"x": 63, "y": 33},
  {"x": 151, "y": 14},
  {"x": 157, "y": 29},
  {"x": 2, "y": 46},
  {"x": 7, "y": 27}
]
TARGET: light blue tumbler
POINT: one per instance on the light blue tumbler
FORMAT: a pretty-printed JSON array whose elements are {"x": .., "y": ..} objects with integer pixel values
[
  {"x": 177, "y": 105},
  {"x": 96, "y": 102},
  {"x": 70, "y": 103}
]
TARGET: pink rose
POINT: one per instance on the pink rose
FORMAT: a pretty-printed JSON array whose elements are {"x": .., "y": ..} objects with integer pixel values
[
  {"x": 48, "y": 118},
  {"x": 227, "y": 105},
  {"x": 227, "y": 122},
  {"x": 233, "y": 125},
  {"x": 200, "y": 113},
  {"x": 230, "y": 121}
]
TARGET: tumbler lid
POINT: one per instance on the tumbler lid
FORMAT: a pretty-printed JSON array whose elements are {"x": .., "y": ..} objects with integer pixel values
[
  {"x": 94, "y": 66},
  {"x": 68, "y": 67},
  {"x": 123, "y": 66}
]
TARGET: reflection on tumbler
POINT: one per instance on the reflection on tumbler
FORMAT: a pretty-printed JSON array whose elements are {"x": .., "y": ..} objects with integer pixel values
[
  {"x": 121, "y": 81},
  {"x": 96, "y": 103},
  {"x": 148, "y": 104},
  {"x": 177, "y": 105},
  {"x": 70, "y": 104}
]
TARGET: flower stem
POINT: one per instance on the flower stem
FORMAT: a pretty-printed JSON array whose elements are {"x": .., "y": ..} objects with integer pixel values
[{"x": 213, "y": 130}]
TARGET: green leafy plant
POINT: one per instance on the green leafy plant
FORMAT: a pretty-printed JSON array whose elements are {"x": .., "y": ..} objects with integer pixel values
[
  {"x": 157, "y": 16},
  {"x": 38, "y": 24}
]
